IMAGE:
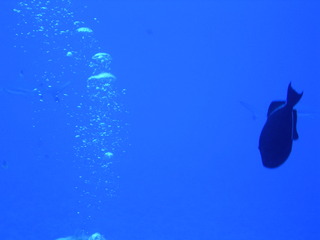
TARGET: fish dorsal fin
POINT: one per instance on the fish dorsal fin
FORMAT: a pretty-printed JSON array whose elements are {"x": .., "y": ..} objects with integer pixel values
[{"x": 274, "y": 105}]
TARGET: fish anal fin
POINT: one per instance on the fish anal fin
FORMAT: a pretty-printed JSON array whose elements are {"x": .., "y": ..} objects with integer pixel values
[
  {"x": 274, "y": 105},
  {"x": 295, "y": 132}
]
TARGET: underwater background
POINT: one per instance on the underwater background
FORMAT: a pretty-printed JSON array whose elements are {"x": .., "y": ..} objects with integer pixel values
[{"x": 141, "y": 119}]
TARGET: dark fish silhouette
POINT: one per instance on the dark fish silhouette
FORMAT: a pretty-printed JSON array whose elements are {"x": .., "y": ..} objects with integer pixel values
[{"x": 279, "y": 131}]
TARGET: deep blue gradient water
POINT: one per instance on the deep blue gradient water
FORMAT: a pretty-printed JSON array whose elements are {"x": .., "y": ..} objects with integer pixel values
[{"x": 166, "y": 145}]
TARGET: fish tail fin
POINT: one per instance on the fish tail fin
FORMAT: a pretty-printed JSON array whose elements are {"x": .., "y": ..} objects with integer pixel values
[{"x": 292, "y": 96}]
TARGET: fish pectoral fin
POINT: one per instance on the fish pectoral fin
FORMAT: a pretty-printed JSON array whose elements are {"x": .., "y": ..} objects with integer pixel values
[
  {"x": 274, "y": 105},
  {"x": 295, "y": 133}
]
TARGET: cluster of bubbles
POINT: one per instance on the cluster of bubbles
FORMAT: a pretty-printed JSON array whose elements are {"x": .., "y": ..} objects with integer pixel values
[
  {"x": 59, "y": 39},
  {"x": 100, "y": 138},
  {"x": 45, "y": 25},
  {"x": 43, "y": 18},
  {"x": 70, "y": 51}
]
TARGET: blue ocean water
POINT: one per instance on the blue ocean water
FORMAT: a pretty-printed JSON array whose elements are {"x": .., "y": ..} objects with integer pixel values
[{"x": 141, "y": 119}]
